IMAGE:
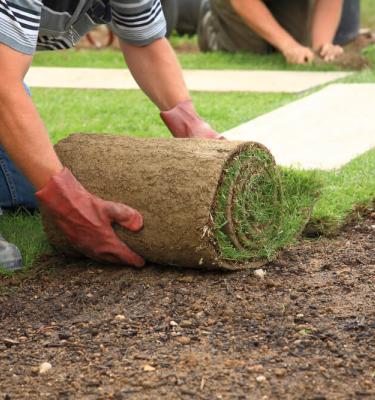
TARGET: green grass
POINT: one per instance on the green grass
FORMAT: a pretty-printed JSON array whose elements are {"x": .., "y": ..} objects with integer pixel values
[
  {"x": 368, "y": 13},
  {"x": 247, "y": 217},
  {"x": 108, "y": 58},
  {"x": 344, "y": 194},
  {"x": 260, "y": 208},
  {"x": 130, "y": 112},
  {"x": 27, "y": 232}
]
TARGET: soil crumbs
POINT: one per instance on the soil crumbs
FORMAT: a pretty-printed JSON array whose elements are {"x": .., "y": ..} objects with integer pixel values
[{"x": 304, "y": 330}]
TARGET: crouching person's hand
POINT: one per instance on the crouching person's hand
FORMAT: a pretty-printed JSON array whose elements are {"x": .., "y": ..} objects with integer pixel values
[
  {"x": 297, "y": 54},
  {"x": 86, "y": 220},
  {"x": 329, "y": 52},
  {"x": 184, "y": 122}
]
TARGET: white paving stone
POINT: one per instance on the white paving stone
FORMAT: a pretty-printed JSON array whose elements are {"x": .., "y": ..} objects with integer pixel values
[
  {"x": 197, "y": 80},
  {"x": 324, "y": 130}
]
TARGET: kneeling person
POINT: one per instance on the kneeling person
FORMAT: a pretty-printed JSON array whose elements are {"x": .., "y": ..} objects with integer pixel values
[
  {"x": 29, "y": 167},
  {"x": 261, "y": 26}
]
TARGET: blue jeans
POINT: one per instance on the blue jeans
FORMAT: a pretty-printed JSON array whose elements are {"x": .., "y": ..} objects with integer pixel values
[
  {"x": 15, "y": 190},
  {"x": 350, "y": 22}
]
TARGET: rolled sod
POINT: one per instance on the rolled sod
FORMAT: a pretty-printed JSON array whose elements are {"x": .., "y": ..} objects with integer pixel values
[{"x": 206, "y": 204}]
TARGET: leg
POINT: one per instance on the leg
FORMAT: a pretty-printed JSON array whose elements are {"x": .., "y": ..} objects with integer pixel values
[
  {"x": 350, "y": 22},
  {"x": 11, "y": 196},
  {"x": 188, "y": 15},
  {"x": 207, "y": 33},
  {"x": 221, "y": 28},
  {"x": 15, "y": 192},
  {"x": 293, "y": 16},
  {"x": 170, "y": 10}
]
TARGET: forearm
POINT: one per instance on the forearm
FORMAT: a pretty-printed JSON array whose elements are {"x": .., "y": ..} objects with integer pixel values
[
  {"x": 24, "y": 136},
  {"x": 325, "y": 21},
  {"x": 259, "y": 19},
  {"x": 156, "y": 69}
]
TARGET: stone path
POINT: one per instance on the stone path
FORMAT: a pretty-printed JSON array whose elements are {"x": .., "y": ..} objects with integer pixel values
[
  {"x": 324, "y": 130},
  {"x": 197, "y": 80}
]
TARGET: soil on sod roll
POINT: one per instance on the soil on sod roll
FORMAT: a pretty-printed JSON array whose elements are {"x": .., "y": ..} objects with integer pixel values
[{"x": 206, "y": 204}]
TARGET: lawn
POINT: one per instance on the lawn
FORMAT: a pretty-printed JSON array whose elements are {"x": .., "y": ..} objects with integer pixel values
[{"x": 130, "y": 113}]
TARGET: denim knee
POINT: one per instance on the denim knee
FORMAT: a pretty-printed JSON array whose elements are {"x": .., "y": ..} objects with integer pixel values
[
  {"x": 350, "y": 22},
  {"x": 15, "y": 189}
]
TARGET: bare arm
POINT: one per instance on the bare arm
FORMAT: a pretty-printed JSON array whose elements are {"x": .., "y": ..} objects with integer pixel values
[
  {"x": 325, "y": 21},
  {"x": 259, "y": 18},
  {"x": 22, "y": 132},
  {"x": 156, "y": 69}
]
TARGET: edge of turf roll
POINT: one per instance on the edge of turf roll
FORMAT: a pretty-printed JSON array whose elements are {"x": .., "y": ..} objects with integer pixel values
[{"x": 206, "y": 203}]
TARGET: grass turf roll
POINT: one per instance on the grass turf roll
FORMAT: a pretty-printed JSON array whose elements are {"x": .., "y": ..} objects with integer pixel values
[{"x": 206, "y": 204}]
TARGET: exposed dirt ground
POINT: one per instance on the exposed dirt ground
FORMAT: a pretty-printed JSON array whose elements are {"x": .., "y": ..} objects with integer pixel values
[{"x": 304, "y": 331}]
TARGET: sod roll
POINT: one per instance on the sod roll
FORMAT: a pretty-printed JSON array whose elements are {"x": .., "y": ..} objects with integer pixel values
[{"x": 206, "y": 204}]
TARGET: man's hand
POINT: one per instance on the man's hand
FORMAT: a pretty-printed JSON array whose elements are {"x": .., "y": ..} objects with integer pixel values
[
  {"x": 86, "y": 220},
  {"x": 297, "y": 54},
  {"x": 325, "y": 21},
  {"x": 184, "y": 122},
  {"x": 329, "y": 52}
]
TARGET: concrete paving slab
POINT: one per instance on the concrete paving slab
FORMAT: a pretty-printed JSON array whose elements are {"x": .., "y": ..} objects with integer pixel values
[
  {"x": 324, "y": 130},
  {"x": 197, "y": 80}
]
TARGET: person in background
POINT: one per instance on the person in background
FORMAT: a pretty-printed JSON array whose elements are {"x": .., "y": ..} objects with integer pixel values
[
  {"x": 298, "y": 29},
  {"x": 29, "y": 167}
]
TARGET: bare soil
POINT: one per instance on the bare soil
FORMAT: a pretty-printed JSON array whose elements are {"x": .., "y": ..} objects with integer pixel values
[{"x": 306, "y": 330}]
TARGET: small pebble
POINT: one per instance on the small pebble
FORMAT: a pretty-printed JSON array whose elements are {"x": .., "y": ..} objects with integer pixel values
[
  {"x": 120, "y": 317},
  {"x": 64, "y": 335},
  {"x": 148, "y": 368},
  {"x": 280, "y": 371},
  {"x": 255, "y": 368},
  {"x": 261, "y": 378},
  {"x": 186, "y": 323},
  {"x": 173, "y": 323},
  {"x": 183, "y": 340},
  {"x": 260, "y": 273},
  {"x": 187, "y": 279},
  {"x": 10, "y": 342},
  {"x": 44, "y": 368}
]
